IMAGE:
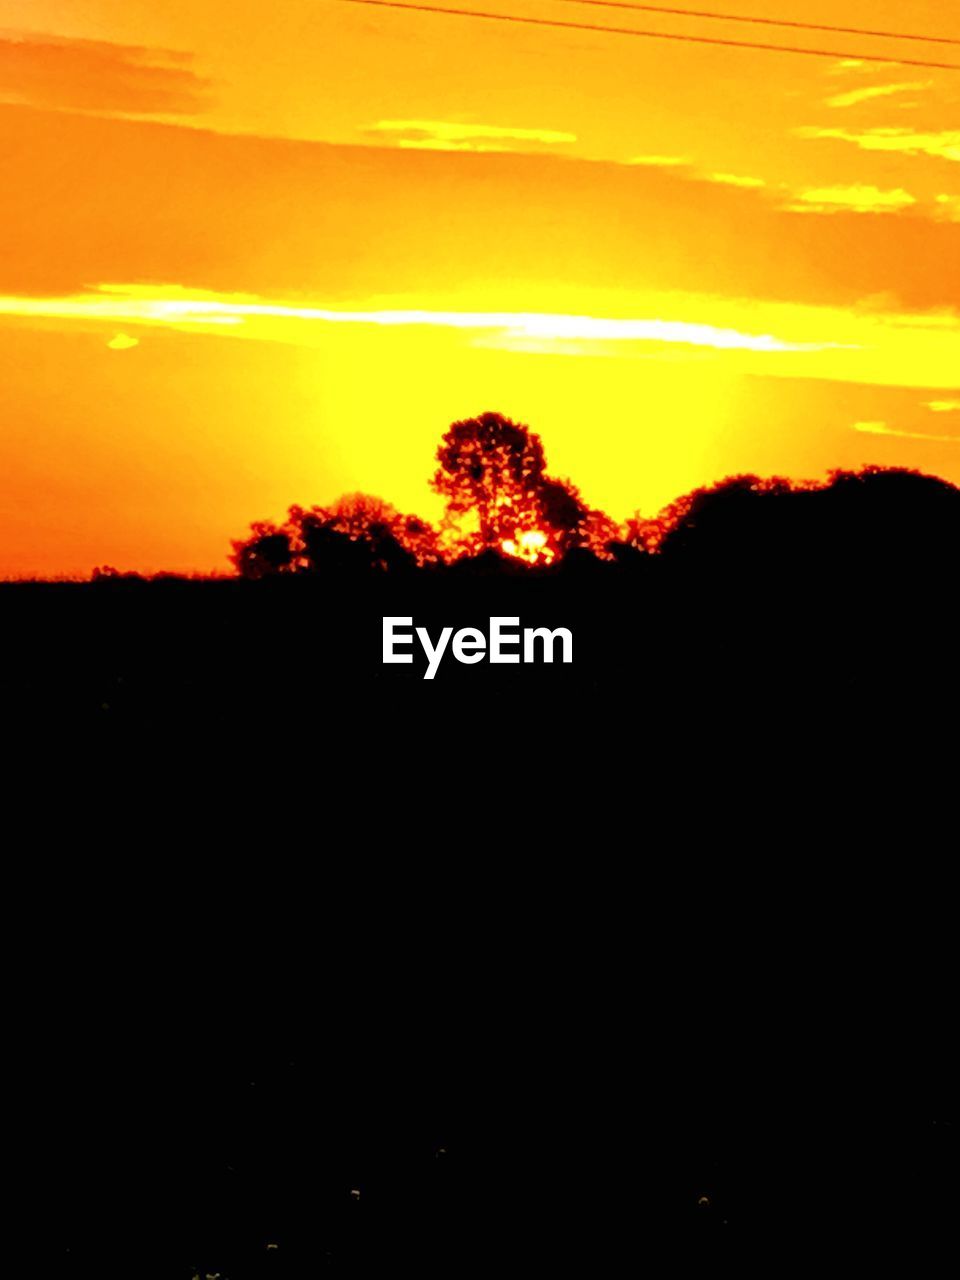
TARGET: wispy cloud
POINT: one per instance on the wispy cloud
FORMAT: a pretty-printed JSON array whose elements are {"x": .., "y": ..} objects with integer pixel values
[
  {"x": 947, "y": 208},
  {"x": 95, "y": 75},
  {"x": 849, "y": 198},
  {"x": 134, "y": 303},
  {"x": 943, "y": 406},
  {"x": 852, "y": 199},
  {"x": 857, "y": 66},
  {"x": 736, "y": 180},
  {"x": 855, "y": 96},
  {"x": 944, "y": 144},
  {"x": 122, "y": 342},
  {"x": 660, "y": 162},
  {"x": 686, "y": 168},
  {"x": 884, "y": 429},
  {"x": 875, "y": 346},
  {"x": 445, "y": 135}
]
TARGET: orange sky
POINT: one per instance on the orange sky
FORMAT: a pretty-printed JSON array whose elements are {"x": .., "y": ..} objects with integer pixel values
[{"x": 260, "y": 254}]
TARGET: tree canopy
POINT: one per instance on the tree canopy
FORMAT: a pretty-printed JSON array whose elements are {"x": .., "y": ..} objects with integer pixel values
[
  {"x": 493, "y": 476},
  {"x": 356, "y": 533}
]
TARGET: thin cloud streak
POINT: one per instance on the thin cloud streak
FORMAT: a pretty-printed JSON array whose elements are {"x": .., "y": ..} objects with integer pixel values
[
  {"x": 852, "y": 199},
  {"x": 884, "y": 429},
  {"x": 114, "y": 304},
  {"x": 660, "y": 162},
  {"x": 445, "y": 135},
  {"x": 944, "y": 144},
  {"x": 866, "y": 346},
  {"x": 855, "y": 96},
  {"x": 736, "y": 180}
]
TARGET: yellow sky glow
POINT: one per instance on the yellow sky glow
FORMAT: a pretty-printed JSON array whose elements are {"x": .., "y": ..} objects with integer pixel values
[{"x": 256, "y": 255}]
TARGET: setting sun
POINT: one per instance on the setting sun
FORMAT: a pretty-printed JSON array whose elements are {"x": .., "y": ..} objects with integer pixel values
[{"x": 530, "y": 546}]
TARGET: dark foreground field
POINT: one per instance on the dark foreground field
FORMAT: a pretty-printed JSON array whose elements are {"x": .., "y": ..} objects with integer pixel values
[
  {"x": 640, "y": 964},
  {"x": 654, "y": 644}
]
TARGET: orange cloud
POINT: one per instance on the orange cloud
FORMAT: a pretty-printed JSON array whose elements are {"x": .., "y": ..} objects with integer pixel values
[{"x": 95, "y": 75}]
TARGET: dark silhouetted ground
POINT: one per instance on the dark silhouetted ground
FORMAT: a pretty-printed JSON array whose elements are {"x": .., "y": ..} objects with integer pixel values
[{"x": 644, "y": 964}]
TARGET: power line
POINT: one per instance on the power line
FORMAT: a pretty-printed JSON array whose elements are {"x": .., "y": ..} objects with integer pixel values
[
  {"x": 658, "y": 35},
  {"x": 715, "y": 15}
]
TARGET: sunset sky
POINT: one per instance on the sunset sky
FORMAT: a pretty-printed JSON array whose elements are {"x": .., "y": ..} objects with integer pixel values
[{"x": 256, "y": 254}]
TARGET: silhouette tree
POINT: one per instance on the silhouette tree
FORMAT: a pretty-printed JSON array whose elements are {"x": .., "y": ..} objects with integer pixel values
[
  {"x": 490, "y": 470},
  {"x": 499, "y": 498},
  {"x": 731, "y": 520},
  {"x": 858, "y": 524},
  {"x": 642, "y": 535},
  {"x": 358, "y": 533},
  {"x": 504, "y": 510},
  {"x": 569, "y": 524},
  {"x": 268, "y": 551},
  {"x": 391, "y": 539}
]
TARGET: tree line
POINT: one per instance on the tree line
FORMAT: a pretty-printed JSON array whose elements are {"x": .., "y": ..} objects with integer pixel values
[{"x": 502, "y": 507}]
